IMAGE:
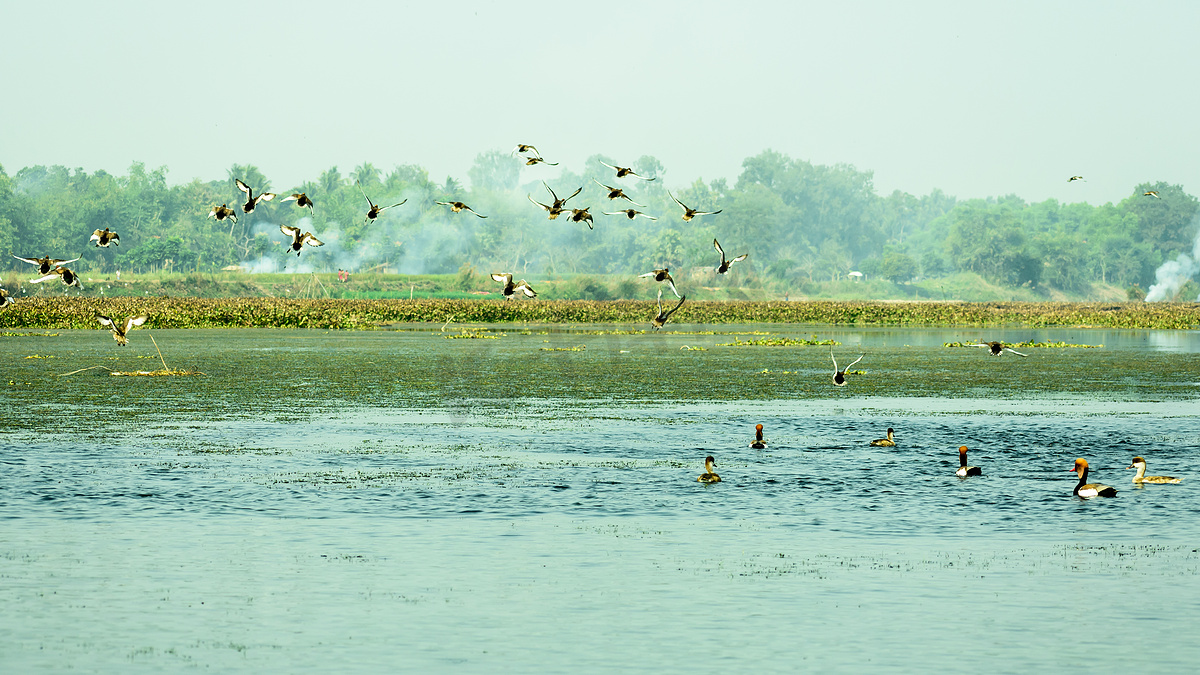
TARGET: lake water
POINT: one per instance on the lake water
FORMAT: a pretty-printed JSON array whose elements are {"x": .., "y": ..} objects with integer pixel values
[{"x": 396, "y": 501}]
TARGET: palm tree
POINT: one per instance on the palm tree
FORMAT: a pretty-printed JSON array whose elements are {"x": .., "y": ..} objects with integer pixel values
[{"x": 366, "y": 175}]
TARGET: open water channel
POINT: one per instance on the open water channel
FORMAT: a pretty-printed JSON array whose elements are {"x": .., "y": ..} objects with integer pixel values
[{"x": 401, "y": 502}]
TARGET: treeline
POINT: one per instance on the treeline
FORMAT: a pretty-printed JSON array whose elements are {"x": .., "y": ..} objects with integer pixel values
[{"x": 801, "y": 223}]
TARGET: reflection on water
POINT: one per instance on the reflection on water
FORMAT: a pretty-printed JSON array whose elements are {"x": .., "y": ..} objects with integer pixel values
[{"x": 394, "y": 500}]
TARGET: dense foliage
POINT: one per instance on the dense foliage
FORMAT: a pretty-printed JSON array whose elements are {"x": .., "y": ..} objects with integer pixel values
[{"x": 801, "y": 224}]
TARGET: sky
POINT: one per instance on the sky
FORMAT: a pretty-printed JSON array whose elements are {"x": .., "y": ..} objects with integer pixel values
[{"x": 974, "y": 99}]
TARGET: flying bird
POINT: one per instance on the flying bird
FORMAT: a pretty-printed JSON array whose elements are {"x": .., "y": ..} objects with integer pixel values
[
  {"x": 375, "y": 210},
  {"x": 1072, "y": 179},
  {"x": 623, "y": 171},
  {"x": 615, "y": 192},
  {"x": 45, "y": 264},
  {"x": 299, "y": 240},
  {"x": 839, "y": 376},
  {"x": 119, "y": 330},
  {"x": 560, "y": 203},
  {"x": 251, "y": 200},
  {"x": 531, "y": 161},
  {"x": 996, "y": 348},
  {"x": 553, "y": 211},
  {"x": 525, "y": 148},
  {"x": 1151, "y": 193},
  {"x": 662, "y": 316},
  {"x": 726, "y": 264},
  {"x": 302, "y": 200},
  {"x": 662, "y": 275},
  {"x": 5, "y": 299},
  {"x": 510, "y": 288},
  {"x": 456, "y": 207},
  {"x": 629, "y": 213},
  {"x": 689, "y": 213},
  {"x": 105, "y": 237},
  {"x": 582, "y": 216},
  {"x": 68, "y": 277},
  {"x": 222, "y": 212}
]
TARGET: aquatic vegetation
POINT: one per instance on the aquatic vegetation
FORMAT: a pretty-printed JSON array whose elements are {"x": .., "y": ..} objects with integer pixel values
[
  {"x": 779, "y": 342},
  {"x": 9, "y": 333},
  {"x": 154, "y": 373},
  {"x": 1027, "y": 343},
  {"x": 580, "y": 348},
  {"x": 467, "y": 334}
]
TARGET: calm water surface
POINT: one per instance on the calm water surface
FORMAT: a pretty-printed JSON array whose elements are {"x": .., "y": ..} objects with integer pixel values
[{"x": 397, "y": 501}]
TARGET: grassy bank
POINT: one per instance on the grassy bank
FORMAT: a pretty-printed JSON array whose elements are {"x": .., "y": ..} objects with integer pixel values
[{"x": 166, "y": 312}]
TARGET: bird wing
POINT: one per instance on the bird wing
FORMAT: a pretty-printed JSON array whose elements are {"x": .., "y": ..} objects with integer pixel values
[
  {"x": 544, "y": 206},
  {"x": 660, "y": 302},
  {"x": 614, "y": 168},
  {"x": 649, "y": 274},
  {"x": 835, "y": 366},
  {"x": 523, "y": 286},
  {"x": 309, "y": 239},
  {"x": 242, "y": 186},
  {"x": 264, "y": 197},
  {"x": 450, "y": 204},
  {"x": 473, "y": 211},
  {"x": 95, "y": 236},
  {"x": 720, "y": 250},
  {"x": 707, "y": 213},
  {"x": 639, "y": 213},
  {"x": 48, "y": 277},
  {"x": 31, "y": 262},
  {"x": 1010, "y": 349},
  {"x": 290, "y": 198},
  {"x": 606, "y": 187},
  {"x": 740, "y": 258},
  {"x": 134, "y": 321},
  {"x": 394, "y": 205},
  {"x": 502, "y": 278},
  {"x": 617, "y": 213},
  {"x": 631, "y": 173},
  {"x": 577, "y": 191},
  {"x": 675, "y": 308},
  {"x": 626, "y": 197},
  {"x": 364, "y": 194},
  {"x": 105, "y": 321},
  {"x": 213, "y": 212},
  {"x": 860, "y": 358},
  {"x": 289, "y": 230},
  {"x": 671, "y": 283},
  {"x": 685, "y": 208}
]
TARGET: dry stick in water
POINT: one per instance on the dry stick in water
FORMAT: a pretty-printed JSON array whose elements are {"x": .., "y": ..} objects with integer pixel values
[
  {"x": 81, "y": 370},
  {"x": 160, "y": 358}
]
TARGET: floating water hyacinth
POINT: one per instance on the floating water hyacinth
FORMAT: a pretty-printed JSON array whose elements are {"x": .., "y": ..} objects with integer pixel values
[{"x": 1030, "y": 343}]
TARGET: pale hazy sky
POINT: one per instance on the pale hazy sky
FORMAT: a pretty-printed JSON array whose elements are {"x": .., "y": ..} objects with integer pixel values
[{"x": 977, "y": 99}]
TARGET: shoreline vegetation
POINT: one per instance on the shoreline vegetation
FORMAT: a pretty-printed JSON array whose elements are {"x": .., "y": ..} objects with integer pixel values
[{"x": 371, "y": 314}]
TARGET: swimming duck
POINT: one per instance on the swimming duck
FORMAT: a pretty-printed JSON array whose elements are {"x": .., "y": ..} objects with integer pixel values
[
  {"x": 68, "y": 277},
  {"x": 758, "y": 443},
  {"x": 510, "y": 289},
  {"x": 1087, "y": 490},
  {"x": 582, "y": 216},
  {"x": 119, "y": 331},
  {"x": 663, "y": 316},
  {"x": 557, "y": 203},
  {"x": 689, "y": 213},
  {"x": 629, "y": 213},
  {"x": 997, "y": 348},
  {"x": 1141, "y": 476},
  {"x": 303, "y": 200},
  {"x": 623, "y": 171},
  {"x": 1151, "y": 193},
  {"x": 839, "y": 376},
  {"x": 553, "y": 212},
  {"x": 375, "y": 210},
  {"x": 615, "y": 192},
  {"x": 523, "y": 148},
  {"x": 222, "y": 212},
  {"x": 45, "y": 264},
  {"x": 299, "y": 240},
  {"x": 531, "y": 161},
  {"x": 105, "y": 237},
  {"x": 662, "y": 275},
  {"x": 709, "y": 476},
  {"x": 726, "y": 264},
  {"x": 251, "y": 200},
  {"x": 963, "y": 469},
  {"x": 1072, "y": 179},
  {"x": 456, "y": 207},
  {"x": 888, "y": 442}
]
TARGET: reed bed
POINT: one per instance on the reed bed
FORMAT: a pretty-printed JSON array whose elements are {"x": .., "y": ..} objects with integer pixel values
[{"x": 347, "y": 314}]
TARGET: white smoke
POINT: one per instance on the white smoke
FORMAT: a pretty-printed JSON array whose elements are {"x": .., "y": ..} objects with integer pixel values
[{"x": 1173, "y": 274}]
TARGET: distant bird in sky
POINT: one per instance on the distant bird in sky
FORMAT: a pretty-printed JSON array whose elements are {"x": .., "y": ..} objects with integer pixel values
[
  {"x": 456, "y": 207},
  {"x": 302, "y": 200},
  {"x": 251, "y": 200},
  {"x": 531, "y": 161},
  {"x": 1072, "y": 179},
  {"x": 119, "y": 330},
  {"x": 623, "y": 171},
  {"x": 1151, "y": 193},
  {"x": 662, "y": 316},
  {"x": 222, "y": 212},
  {"x": 561, "y": 203},
  {"x": 629, "y": 213},
  {"x": 662, "y": 275},
  {"x": 298, "y": 239},
  {"x": 105, "y": 237},
  {"x": 525, "y": 148},
  {"x": 839, "y": 376},
  {"x": 553, "y": 211},
  {"x": 582, "y": 216},
  {"x": 375, "y": 210},
  {"x": 726, "y": 264},
  {"x": 689, "y": 213},
  {"x": 996, "y": 348},
  {"x": 68, "y": 277},
  {"x": 45, "y": 264},
  {"x": 510, "y": 288},
  {"x": 616, "y": 193}
]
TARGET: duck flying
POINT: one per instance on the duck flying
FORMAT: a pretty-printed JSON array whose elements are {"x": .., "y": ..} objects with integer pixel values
[
  {"x": 526, "y": 149},
  {"x": 298, "y": 239},
  {"x": 120, "y": 330},
  {"x": 105, "y": 237},
  {"x": 628, "y": 213},
  {"x": 510, "y": 289},
  {"x": 222, "y": 212},
  {"x": 1072, "y": 179},
  {"x": 689, "y": 213},
  {"x": 582, "y": 216},
  {"x": 45, "y": 264},
  {"x": 251, "y": 200},
  {"x": 623, "y": 171},
  {"x": 726, "y": 264},
  {"x": 532, "y": 161},
  {"x": 301, "y": 199},
  {"x": 455, "y": 207},
  {"x": 662, "y": 275},
  {"x": 1151, "y": 193},
  {"x": 374, "y": 210},
  {"x": 839, "y": 376},
  {"x": 553, "y": 211},
  {"x": 616, "y": 192},
  {"x": 5, "y": 299},
  {"x": 557, "y": 203},
  {"x": 662, "y": 316},
  {"x": 68, "y": 277},
  {"x": 996, "y": 348}
]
